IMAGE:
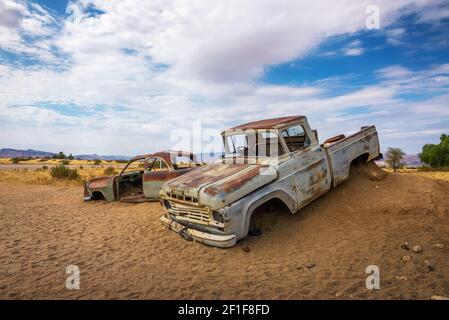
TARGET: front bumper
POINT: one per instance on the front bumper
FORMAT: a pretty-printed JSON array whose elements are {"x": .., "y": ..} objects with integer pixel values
[{"x": 222, "y": 241}]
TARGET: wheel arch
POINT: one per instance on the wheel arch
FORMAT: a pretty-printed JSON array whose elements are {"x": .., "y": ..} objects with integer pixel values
[{"x": 278, "y": 195}]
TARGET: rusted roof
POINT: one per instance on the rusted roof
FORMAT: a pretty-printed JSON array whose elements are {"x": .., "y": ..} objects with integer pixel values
[
  {"x": 267, "y": 123},
  {"x": 166, "y": 155}
]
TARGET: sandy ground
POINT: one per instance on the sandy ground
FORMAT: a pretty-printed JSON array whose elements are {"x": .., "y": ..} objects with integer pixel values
[{"x": 123, "y": 251}]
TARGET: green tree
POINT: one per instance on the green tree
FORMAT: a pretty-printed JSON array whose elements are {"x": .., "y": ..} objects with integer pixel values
[
  {"x": 60, "y": 155},
  {"x": 394, "y": 157},
  {"x": 436, "y": 155},
  {"x": 70, "y": 157}
]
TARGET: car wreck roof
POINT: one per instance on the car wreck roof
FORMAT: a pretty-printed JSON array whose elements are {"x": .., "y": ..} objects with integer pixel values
[
  {"x": 267, "y": 123},
  {"x": 166, "y": 155}
]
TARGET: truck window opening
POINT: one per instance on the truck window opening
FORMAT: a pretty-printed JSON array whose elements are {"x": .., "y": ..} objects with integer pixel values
[
  {"x": 295, "y": 137},
  {"x": 255, "y": 143}
]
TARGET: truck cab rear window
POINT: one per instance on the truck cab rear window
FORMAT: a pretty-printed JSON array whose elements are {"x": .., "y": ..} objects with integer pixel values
[{"x": 295, "y": 137}]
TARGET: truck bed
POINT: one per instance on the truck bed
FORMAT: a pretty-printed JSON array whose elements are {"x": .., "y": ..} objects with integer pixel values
[{"x": 341, "y": 151}]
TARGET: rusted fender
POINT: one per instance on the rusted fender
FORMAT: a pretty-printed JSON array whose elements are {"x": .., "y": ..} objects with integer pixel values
[{"x": 105, "y": 185}]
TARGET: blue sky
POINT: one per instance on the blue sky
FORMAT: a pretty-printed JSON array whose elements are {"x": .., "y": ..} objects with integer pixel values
[{"x": 128, "y": 77}]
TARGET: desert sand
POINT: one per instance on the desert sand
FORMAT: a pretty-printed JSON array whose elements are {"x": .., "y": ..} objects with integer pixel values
[{"x": 321, "y": 252}]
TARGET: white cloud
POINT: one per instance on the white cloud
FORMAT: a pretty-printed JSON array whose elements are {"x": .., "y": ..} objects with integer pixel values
[
  {"x": 395, "y": 35},
  {"x": 354, "y": 48},
  {"x": 353, "y": 51}
]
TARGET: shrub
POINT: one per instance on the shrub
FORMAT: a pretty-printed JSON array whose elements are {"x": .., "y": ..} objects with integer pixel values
[
  {"x": 81, "y": 167},
  {"x": 97, "y": 162},
  {"x": 109, "y": 171},
  {"x": 62, "y": 172},
  {"x": 65, "y": 162},
  {"x": 15, "y": 160},
  {"x": 44, "y": 167}
]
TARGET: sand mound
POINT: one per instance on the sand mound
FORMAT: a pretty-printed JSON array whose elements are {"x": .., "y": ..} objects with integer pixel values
[{"x": 321, "y": 252}]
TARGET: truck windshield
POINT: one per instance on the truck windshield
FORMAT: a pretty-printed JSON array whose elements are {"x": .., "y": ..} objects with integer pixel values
[{"x": 253, "y": 143}]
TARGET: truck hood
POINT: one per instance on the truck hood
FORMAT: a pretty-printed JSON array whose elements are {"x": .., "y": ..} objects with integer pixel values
[{"x": 218, "y": 185}]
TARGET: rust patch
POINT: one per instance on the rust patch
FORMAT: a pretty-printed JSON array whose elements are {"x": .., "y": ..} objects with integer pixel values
[
  {"x": 100, "y": 182},
  {"x": 335, "y": 139},
  {"x": 267, "y": 123},
  {"x": 167, "y": 156},
  {"x": 234, "y": 184},
  {"x": 206, "y": 175}
]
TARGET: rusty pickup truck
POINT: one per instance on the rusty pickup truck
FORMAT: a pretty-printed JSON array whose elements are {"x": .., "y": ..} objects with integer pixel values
[
  {"x": 274, "y": 160},
  {"x": 142, "y": 177}
]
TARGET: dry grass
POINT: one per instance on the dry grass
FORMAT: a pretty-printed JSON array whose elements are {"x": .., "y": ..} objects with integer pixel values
[
  {"x": 24, "y": 176},
  {"x": 441, "y": 175}
]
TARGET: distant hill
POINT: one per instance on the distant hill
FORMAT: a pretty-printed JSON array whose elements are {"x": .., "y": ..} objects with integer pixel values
[
  {"x": 13, "y": 153},
  {"x": 96, "y": 156},
  {"x": 412, "y": 160}
]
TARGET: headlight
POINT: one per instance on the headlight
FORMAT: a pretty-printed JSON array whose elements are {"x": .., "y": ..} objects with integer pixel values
[
  {"x": 221, "y": 216},
  {"x": 167, "y": 204}
]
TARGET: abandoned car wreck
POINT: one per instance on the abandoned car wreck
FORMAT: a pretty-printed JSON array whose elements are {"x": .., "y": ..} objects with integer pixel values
[
  {"x": 269, "y": 160},
  {"x": 142, "y": 177}
]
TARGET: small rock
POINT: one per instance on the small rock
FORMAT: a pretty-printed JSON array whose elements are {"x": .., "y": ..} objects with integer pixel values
[
  {"x": 404, "y": 245},
  {"x": 246, "y": 249},
  {"x": 438, "y": 245},
  {"x": 338, "y": 294},
  {"x": 417, "y": 249},
  {"x": 438, "y": 298},
  {"x": 429, "y": 266},
  {"x": 310, "y": 265},
  {"x": 401, "y": 277},
  {"x": 406, "y": 258}
]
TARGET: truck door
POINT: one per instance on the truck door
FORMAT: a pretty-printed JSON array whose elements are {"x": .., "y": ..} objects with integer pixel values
[
  {"x": 308, "y": 164},
  {"x": 157, "y": 172}
]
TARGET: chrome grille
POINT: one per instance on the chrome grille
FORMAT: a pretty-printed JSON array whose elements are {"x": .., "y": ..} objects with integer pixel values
[
  {"x": 182, "y": 197},
  {"x": 194, "y": 214}
]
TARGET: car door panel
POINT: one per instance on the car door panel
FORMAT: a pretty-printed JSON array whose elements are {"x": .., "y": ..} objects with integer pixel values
[
  {"x": 311, "y": 172},
  {"x": 153, "y": 181}
]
